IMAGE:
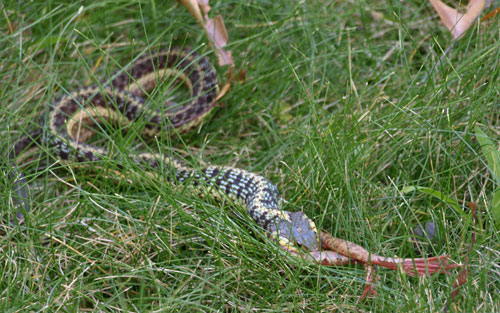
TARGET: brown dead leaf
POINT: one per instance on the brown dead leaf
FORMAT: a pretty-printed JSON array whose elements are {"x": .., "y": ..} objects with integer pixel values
[
  {"x": 227, "y": 86},
  {"x": 214, "y": 29},
  {"x": 242, "y": 75},
  {"x": 194, "y": 9},
  {"x": 204, "y": 6},
  {"x": 491, "y": 14},
  {"x": 218, "y": 35},
  {"x": 457, "y": 23}
]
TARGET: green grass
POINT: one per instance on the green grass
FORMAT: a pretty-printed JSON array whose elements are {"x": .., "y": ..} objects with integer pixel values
[{"x": 340, "y": 110}]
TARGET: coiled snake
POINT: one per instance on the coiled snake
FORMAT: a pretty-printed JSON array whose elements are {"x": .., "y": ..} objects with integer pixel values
[{"x": 72, "y": 117}]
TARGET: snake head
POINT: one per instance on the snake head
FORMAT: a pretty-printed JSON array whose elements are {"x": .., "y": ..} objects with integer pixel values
[{"x": 297, "y": 229}]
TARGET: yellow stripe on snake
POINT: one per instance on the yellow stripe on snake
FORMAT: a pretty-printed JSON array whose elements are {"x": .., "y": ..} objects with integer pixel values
[{"x": 72, "y": 117}]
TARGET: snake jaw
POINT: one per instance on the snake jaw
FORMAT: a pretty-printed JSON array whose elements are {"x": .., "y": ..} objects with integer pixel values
[{"x": 298, "y": 228}]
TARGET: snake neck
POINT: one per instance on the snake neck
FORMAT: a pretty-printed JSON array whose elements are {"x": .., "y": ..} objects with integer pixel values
[{"x": 260, "y": 198}]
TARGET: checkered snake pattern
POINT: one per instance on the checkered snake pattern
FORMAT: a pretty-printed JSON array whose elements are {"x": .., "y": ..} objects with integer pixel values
[{"x": 74, "y": 117}]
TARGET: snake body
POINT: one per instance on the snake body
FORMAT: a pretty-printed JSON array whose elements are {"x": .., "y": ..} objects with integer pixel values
[{"x": 74, "y": 117}]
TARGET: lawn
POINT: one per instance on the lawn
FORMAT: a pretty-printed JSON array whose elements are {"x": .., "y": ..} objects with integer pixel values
[{"x": 345, "y": 106}]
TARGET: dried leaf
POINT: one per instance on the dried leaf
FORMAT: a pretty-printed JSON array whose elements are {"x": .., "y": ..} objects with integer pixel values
[
  {"x": 217, "y": 33},
  {"x": 214, "y": 28},
  {"x": 194, "y": 9},
  {"x": 227, "y": 86},
  {"x": 457, "y": 23},
  {"x": 491, "y": 14},
  {"x": 204, "y": 6},
  {"x": 242, "y": 75}
]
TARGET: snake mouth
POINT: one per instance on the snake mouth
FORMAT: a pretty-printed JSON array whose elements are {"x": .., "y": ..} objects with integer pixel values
[
  {"x": 296, "y": 229},
  {"x": 304, "y": 231}
]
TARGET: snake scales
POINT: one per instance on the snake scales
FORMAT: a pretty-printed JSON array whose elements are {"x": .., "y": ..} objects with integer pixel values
[{"x": 73, "y": 117}]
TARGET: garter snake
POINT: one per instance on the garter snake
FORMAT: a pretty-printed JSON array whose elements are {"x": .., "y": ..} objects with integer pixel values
[{"x": 72, "y": 117}]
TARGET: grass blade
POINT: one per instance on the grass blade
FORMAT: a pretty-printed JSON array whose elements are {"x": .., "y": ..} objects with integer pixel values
[
  {"x": 490, "y": 154},
  {"x": 493, "y": 161}
]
